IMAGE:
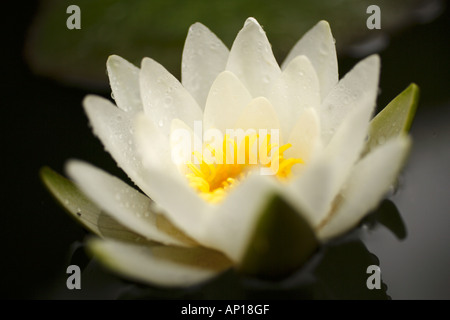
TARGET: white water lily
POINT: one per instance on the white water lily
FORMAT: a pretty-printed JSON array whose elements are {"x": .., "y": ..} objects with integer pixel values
[{"x": 197, "y": 220}]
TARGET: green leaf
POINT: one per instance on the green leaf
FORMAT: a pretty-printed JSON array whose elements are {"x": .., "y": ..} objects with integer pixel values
[
  {"x": 283, "y": 242},
  {"x": 83, "y": 209},
  {"x": 158, "y": 28},
  {"x": 395, "y": 119}
]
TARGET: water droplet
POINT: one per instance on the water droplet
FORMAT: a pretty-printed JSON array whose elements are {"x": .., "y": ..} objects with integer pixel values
[
  {"x": 301, "y": 73},
  {"x": 66, "y": 202},
  {"x": 266, "y": 79},
  {"x": 112, "y": 95},
  {"x": 381, "y": 140},
  {"x": 160, "y": 123},
  {"x": 168, "y": 101},
  {"x": 130, "y": 142}
]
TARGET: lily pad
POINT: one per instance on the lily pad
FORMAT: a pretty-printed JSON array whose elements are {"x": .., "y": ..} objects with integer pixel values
[
  {"x": 157, "y": 28},
  {"x": 282, "y": 243},
  {"x": 82, "y": 209},
  {"x": 395, "y": 119}
]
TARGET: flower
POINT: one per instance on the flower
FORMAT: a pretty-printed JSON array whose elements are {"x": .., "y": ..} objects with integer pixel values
[{"x": 306, "y": 172}]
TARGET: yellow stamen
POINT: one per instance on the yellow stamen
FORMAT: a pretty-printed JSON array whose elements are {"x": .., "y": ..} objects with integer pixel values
[{"x": 233, "y": 162}]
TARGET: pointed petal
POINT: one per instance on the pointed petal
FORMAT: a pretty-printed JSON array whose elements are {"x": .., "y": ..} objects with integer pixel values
[
  {"x": 370, "y": 180},
  {"x": 322, "y": 180},
  {"x": 304, "y": 138},
  {"x": 124, "y": 82},
  {"x": 183, "y": 142},
  {"x": 182, "y": 206},
  {"x": 258, "y": 114},
  {"x": 125, "y": 204},
  {"x": 312, "y": 191},
  {"x": 226, "y": 100},
  {"x": 204, "y": 57},
  {"x": 159, "y": 265},
  {"x": 164, "y": 97},
  {"x": 251, "y": 59},
  {"x": 167, "y": 186},
  {"x": 296, "y": 89},
  {"x": 359, "y": 84},
  {"x": 232, "y": 223},
  {"x": 152, "y": 145},
  {"x": 114, "y": 128},
  {"x": 318, "y": 45}
]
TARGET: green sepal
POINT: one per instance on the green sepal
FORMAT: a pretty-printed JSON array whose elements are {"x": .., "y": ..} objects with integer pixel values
[
  {"x": 395, "y": 119},
  {"x": 82, "y": 209},
  {"x": 282, "y": 242}
]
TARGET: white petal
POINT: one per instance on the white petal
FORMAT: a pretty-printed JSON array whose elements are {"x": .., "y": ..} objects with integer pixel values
[
  {"x": 251, "y": 59},
  {"x": 152, "y": 145},
  {"x": 164, "y": 97},
  {"x": 312, "y": 192},
  {"x": 226, "y": 100},
  {"x": 258, "y": 114},
  {"x": 296, "y": 89},
  {"x": 318, "y": 45},
  {"x": 114, "y": 127},
  {"x": 370, "y": 180},
  {"x": 183, "y": 142},
  {"x": 322, "y": 180},
  {"x": 182, "y": 205},
  {"x": 124, "y": 82},
  {"x": 359, "y": 84},
  {"x": 204, "y": 57},
  {"x": 304, "y": 138},
  {"x": 159, "y": 265},
  {"x": 232, "y": 224},
  {"x": 166, "y": 185},
  {"x": 128, "y": 206}
]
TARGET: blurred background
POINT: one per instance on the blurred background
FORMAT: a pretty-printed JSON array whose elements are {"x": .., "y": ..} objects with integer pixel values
[{"x": 47, "y": 69}]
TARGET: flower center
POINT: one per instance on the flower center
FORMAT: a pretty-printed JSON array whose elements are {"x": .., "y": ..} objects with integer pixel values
[{"x": 220, "y": 168}]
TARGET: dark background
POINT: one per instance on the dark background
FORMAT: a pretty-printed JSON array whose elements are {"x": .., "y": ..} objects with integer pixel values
[{"x": 43, "y": 124}]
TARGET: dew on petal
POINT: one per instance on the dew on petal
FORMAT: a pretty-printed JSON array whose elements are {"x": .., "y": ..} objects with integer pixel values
[{"x": 168, "y": 100}]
